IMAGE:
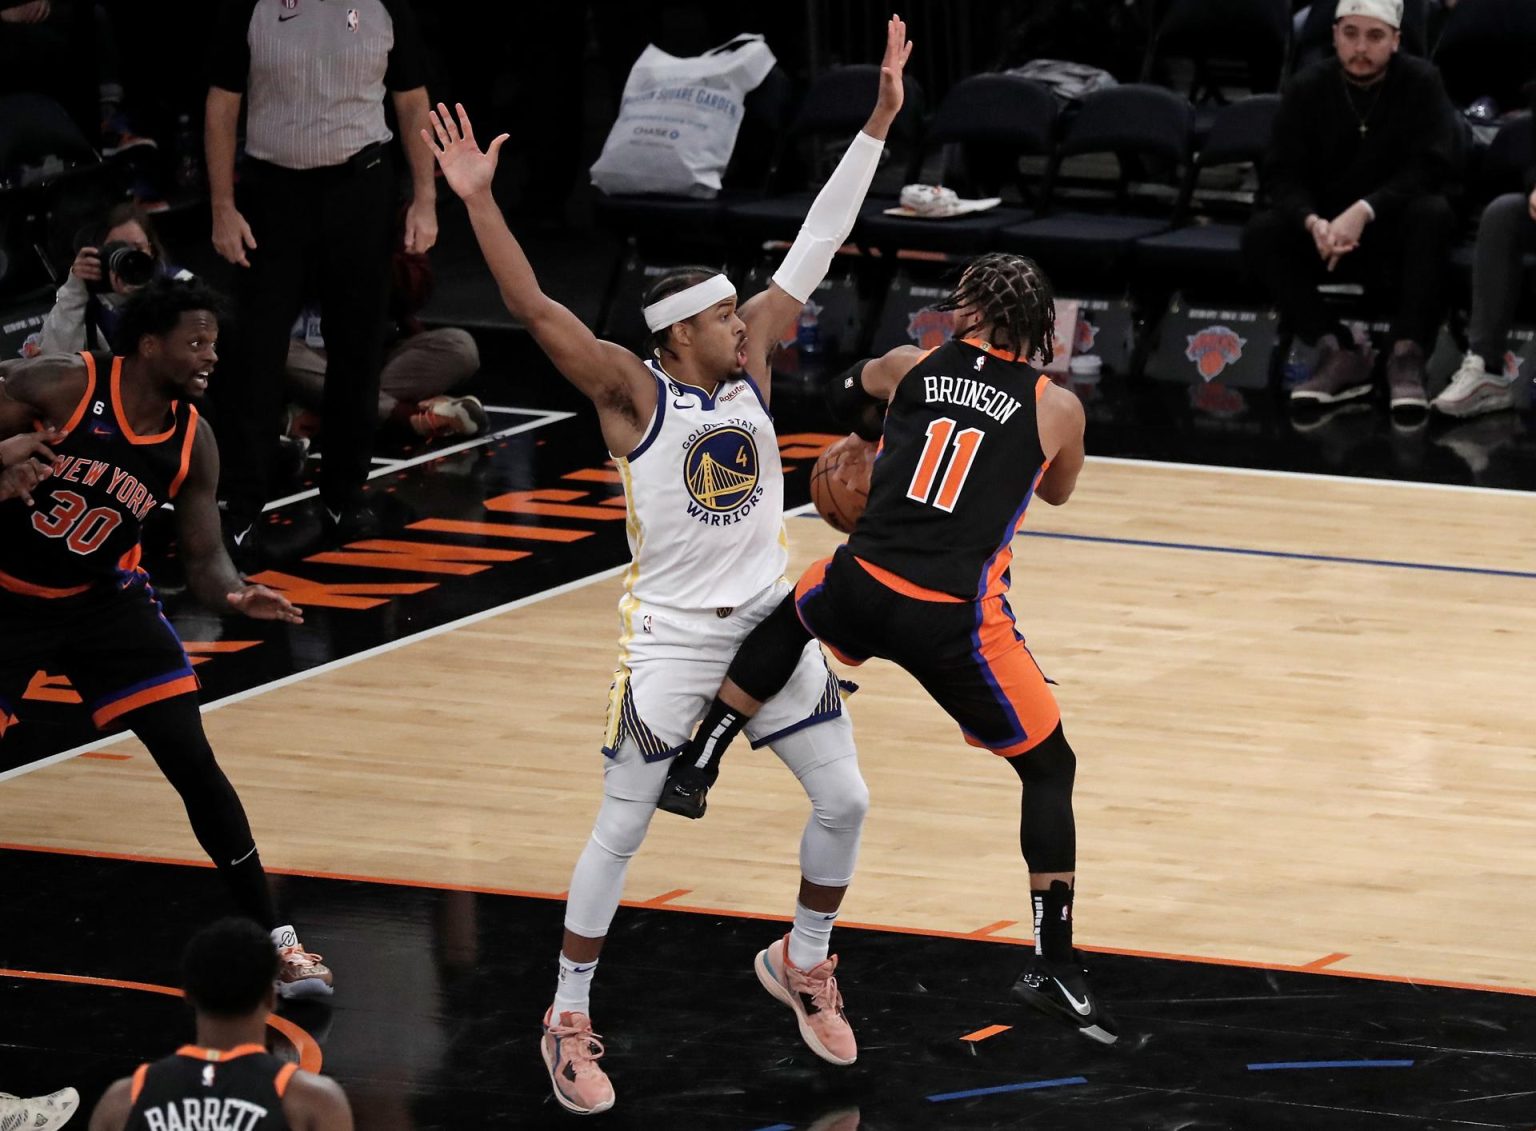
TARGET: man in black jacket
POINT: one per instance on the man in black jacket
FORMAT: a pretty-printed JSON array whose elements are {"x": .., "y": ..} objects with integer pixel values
[{"x": 1362, "y": 146}]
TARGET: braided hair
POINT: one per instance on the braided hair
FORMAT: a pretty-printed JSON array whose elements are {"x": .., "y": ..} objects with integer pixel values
[
  {"x": 1011, "y": 294},
  {"x": 678, "y": 279}
]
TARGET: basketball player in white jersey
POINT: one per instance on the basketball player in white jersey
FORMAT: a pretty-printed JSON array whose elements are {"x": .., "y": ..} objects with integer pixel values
[{"x": 690, "y": 433}]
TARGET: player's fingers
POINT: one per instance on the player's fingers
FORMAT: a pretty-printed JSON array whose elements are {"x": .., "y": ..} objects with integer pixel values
[
  {"x": 437, "y": 128},
  {"x": 464, "y": 126},
  {"x": 431, "y": 144},
  {"x": 449, "y": 126},
  {"x": 496, "y": 146}
]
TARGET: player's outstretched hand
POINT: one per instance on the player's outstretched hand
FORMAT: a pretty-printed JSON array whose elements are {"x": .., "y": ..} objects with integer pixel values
[
  {"x": 27, "y": 460},
  {"x": 261, "y": 603},
  {"x": 29, "y": 445},
  {"x": 897, "y": 51},
  {"x": 467, "y": 170}
]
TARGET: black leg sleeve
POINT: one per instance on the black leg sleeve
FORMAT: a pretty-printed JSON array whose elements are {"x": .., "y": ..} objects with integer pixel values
[
  {"x": 173, "y": 732},
  {"x": 1047, "y": 829},
  {"x": 770, "y": 653}
]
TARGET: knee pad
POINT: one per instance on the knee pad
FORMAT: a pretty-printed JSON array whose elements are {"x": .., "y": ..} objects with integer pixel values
[
  {"x": 1052, "y": 763},
  {"x": 621, "y": 826}
]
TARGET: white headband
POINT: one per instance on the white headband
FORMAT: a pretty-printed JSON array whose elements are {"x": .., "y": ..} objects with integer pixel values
[{"x": 687, "y": 303}]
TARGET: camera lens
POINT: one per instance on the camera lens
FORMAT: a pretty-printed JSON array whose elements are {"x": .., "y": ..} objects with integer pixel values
[{"x": 129, "y": 264}]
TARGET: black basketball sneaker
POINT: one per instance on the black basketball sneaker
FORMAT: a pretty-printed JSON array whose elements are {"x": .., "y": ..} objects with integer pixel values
[{"x": 1061, "y": 990}]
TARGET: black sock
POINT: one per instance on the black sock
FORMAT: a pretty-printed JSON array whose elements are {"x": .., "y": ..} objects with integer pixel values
[
  {"x": 707, "y": 746},
  {"x": 247, "y": 883},
  {"x": 1053, "y": 922}
]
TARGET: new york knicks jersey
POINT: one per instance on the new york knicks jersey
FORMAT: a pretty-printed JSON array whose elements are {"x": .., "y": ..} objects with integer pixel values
[
  {"x": 957, "y": 467},
  {"x": 705, "y": 492},
  {"x": 84, "y": 529},
  {"x": 240, "y": 1088}
]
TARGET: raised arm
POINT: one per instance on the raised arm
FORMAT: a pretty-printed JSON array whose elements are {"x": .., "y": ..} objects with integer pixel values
[
  {"x": 857, "y": 396},
  {"x": 831, "y": 216},
  {"x": 210, "y": 574},
  {"x": 611, "y": 376}
]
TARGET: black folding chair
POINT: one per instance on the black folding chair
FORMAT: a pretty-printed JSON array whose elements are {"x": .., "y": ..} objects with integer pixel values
[
  {"x": 1231, "y": 42},
  {"x": 1148, "y": 130},
  {"x": 987, "y": 122},
  {"x": 1487, "y": 48}
]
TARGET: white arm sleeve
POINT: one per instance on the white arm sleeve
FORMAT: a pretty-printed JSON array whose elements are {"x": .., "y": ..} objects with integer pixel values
[{"x": 830, "y": 219}]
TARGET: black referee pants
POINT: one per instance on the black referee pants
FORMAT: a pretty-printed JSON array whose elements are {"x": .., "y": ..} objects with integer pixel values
[{"x": 321, "y": 234}]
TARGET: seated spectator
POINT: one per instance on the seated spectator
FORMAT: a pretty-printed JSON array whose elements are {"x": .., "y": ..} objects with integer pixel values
[
  {"x": 421, "y": 366},
  {"x": 1505, "y": 234},
  {"x": 1362, "y": 147},
  {"x": 84, "y": 311}
]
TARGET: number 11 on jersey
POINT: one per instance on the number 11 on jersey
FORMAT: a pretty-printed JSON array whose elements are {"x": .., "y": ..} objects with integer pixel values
[{"x": 941, "y": 436}]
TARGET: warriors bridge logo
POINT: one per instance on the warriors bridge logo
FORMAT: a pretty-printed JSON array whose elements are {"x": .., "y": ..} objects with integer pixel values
[
  {"x": 720, "y": 471},
  {"x": 1213, "y": 349}
]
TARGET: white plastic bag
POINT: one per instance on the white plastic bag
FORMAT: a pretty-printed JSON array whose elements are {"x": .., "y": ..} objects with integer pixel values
[{"x": 679, "y": 119}]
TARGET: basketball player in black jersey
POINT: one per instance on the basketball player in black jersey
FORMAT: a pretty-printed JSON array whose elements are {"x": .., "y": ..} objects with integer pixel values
[
  {"x": 970, "y": 434},
  {"x": 73, "y": 599},
  {"x": 227, "y": 1081}
]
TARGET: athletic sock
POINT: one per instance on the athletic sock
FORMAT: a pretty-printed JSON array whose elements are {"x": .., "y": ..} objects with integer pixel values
[
  {"x": 573, "y": 990},
  {"x": 811, "y": 937},
  {"x": 1053, "y": 922},
  {"x": 721, "y": 724},
  {"x": 247, "y": 883}
]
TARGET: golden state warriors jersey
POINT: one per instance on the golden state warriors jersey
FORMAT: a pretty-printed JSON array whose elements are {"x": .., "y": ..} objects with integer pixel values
[{"x": 705, "y": 494}]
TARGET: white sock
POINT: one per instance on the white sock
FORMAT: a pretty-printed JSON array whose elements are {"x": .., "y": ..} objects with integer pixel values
[
  {"x": 811, "y": 938},
  {"x": 573, "y": 991},
  {"x": 284, "y": 936}
]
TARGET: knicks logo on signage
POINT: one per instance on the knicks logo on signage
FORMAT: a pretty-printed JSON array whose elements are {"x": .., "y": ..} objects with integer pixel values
[
  {"x": 930, "y": 328},
  {"x": 1213, "y": 349},
  {"x": 720, "y": 471}
]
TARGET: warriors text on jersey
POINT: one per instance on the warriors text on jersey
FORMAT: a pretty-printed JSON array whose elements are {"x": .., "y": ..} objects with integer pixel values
[
  {"x": 705, "y": 489},
  {"x": 238, "y": 1089},
  {"x": 958, "y": 465},
  {"x": 84, "y": 529}
]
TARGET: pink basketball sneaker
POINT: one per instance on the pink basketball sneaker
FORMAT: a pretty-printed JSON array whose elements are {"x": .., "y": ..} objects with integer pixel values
[
  {"x": 814, "y": 997},
  {"x": 571, "y": 1050}
]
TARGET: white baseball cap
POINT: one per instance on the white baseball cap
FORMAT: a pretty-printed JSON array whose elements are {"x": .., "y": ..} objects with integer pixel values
[{"x": 1387, "y": 11}]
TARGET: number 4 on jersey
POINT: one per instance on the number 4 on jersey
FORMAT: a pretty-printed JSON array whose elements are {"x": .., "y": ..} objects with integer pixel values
[{"x": 940, "y": 435}]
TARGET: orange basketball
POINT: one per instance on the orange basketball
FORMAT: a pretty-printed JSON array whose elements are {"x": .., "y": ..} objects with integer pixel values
[{"x": 840, "y": 482}]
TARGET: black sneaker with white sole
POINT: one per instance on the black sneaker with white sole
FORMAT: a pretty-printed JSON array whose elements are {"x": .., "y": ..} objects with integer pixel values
[{"x": 1061, "y": 990}]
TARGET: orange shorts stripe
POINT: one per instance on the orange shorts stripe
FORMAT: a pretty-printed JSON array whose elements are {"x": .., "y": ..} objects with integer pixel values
[
  {"x": 814, "y": 575},
  {"x": 1019, "y": 680},
  {"x": 157, "y": 694},
  {"x": 27, "y": 589},
  {"x": 906, "y": 588}
]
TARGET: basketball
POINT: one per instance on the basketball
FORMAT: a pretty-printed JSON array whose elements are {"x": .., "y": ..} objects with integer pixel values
[{"x": 840, "y": 482}]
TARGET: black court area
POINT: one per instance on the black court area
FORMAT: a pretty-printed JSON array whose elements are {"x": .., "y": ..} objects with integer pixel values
[{"x": 434, "y": 1026}]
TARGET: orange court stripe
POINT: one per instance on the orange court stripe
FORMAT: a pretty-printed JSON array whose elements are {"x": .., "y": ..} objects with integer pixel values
[
  {"x": 665, "y": 897},
  {"x": 499, "y": 530},
  {"x": 989, "y": 1031},
  {"x": 550, "y": 502},
  {"x": 729, "y": 913},
  {"x": 594, "y": 475},
  {"x": 310, "y": 1056},
  {"x": 1325, "y": 960},
  {"x": 983, "y": 932},
  {"x": 218, "y": 645},
  {"x": 105, "y": 757}
]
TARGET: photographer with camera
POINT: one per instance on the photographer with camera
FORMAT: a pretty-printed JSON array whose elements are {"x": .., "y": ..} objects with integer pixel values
[{"x": 119, "y": 255}]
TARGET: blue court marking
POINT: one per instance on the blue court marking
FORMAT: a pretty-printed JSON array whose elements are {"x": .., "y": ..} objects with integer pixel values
[
  {"x": 1032, "y": 1085},
  {"x": 1332, "y": 559},
  {"x": 1272, "y": 1065}
]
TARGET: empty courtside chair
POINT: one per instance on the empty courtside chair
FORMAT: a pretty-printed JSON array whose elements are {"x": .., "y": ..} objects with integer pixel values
[
  {"x": 1316, "y": 39},
  {"x": 1487, "y": 48},
  {"x": 1204, "y": 250},
  {"x": 835, "y": 108},
  {"x": 678, "y": 221},
  {"x": 1214, "y": 34},
  {"x": 987, "y": 122},
  {"x": 1148, "y": 131}
]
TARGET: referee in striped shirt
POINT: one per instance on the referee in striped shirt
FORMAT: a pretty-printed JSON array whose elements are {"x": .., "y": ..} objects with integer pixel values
[{"x": 315, "y": 217}]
